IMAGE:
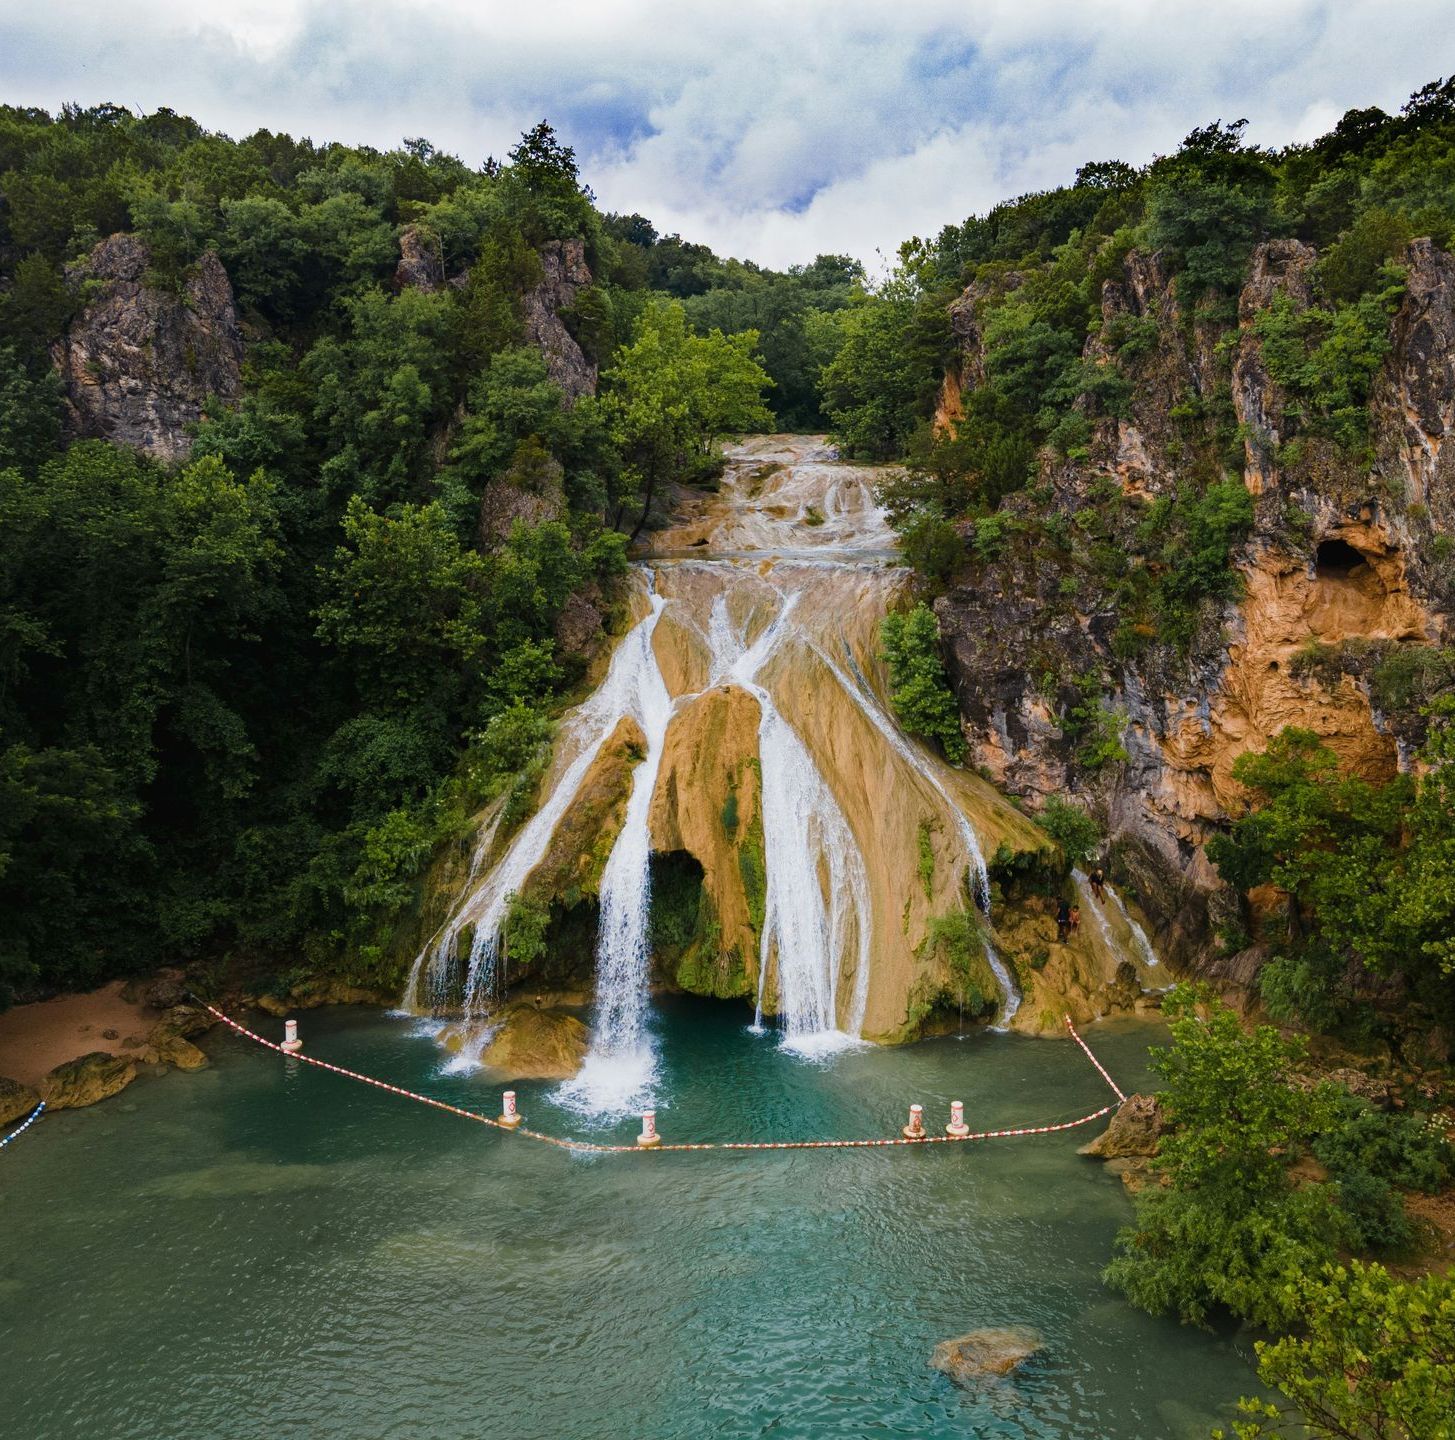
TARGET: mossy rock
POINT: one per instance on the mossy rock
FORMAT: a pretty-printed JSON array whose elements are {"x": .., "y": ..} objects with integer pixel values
[
  {"x": 86, "y": 1080},
  {"x": 16, "y": 1100},
  {"x": 537, "y": 1044}
]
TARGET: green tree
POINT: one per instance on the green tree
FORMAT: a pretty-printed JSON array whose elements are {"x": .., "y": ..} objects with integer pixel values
[
  {"x": 919, "y": 688},
  {"x": 1374, "y": 1359},
  {"x": 402, "y": 601},
  {"x": 1227, "y": 1228}
]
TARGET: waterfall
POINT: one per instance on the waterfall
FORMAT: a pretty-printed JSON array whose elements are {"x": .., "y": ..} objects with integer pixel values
[
  {"x": 1139, "y": 936},
  {"x": 620, "y": 1067},
  {"x": 1090, "y": 907},
  {"x": 868, "y": 703},
  {"x": 806, "y": 840},
  {"x": 485, "y": 907}
]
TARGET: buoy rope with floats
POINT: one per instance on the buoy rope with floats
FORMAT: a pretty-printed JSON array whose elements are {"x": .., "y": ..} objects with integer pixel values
[
  {"x": 25, "y": 1125},
  {"x": 512, "y": 1122}
]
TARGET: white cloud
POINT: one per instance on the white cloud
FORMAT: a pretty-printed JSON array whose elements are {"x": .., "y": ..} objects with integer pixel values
[{"x": 770, "y": 130}]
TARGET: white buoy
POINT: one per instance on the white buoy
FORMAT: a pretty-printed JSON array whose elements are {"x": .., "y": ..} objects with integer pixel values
[
  {"x": 291, "y": 1043},
  {"x": 510, "y": 1117},
  {"x": 649, "y": 1137},
  {"x": 915, "y": 1130},
  {"x": 957, "y": 1125}
]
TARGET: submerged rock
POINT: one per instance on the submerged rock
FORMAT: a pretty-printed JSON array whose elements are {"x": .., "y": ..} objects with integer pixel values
[
  {"x": 534, "y": 1044},
  {"x": 970, "y": 1360},
  {"x": 1134, "y": 1130},
  {"x": 16, "y": 1100},
  {"x": 86, "y": 1080}
]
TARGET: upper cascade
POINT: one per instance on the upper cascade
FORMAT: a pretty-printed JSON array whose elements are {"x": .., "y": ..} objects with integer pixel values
[{"x": 810, "y": 853}]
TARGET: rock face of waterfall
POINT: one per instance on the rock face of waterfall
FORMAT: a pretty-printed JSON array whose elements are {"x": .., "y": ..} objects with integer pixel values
[{"x": 814, "y": 860}]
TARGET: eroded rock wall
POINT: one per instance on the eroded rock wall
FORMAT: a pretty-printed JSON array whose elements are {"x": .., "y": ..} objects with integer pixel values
[{"x": 1342, "y": 549}]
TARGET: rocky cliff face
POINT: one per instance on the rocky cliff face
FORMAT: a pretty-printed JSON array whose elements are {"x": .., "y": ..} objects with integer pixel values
[
  {"x": 139, "y": 363},
  {"x": 565, "y": 275},
  {"x": 1345, "y": 561}
]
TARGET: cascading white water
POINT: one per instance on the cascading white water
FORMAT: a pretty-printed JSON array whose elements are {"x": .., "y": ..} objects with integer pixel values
[
  {"x": 620, "y": 1067},
  {"x": 868, "y": 703},
  {"x": 1139, "y": 936},
  {"x": 1090, "y": 907},
  {"x": 806, "y": 938},
  {"x": 433, "y": 973}
]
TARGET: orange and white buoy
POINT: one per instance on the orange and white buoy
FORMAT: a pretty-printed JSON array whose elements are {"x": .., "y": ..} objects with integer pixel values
[
  {"x": 291, "y": 1043},
  {"x": 915, "y": 1130},
  {"x": 957, "y": 1125},
  {"x": 510, "y": 1117},
  {"x": 649, "y": 1137}
]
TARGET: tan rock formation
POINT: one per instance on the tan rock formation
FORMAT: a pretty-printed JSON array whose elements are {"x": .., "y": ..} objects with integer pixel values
[
  {"x": 982, "y": 1355},
  {"x": 86, "y": 1080},
  {"x": 706, "y": 803},
  {"x": 16, "y": 1100},
  {"x": 582, "y": 841},
  {"x": 537, "y": 1044}
]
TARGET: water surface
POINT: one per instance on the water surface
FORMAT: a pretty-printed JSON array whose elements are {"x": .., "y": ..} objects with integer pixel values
[{"x": 263, "y": 1249}]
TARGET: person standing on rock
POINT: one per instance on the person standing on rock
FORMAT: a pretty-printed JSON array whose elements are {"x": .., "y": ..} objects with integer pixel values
[
  {"x": 1063, "y": 920},
  {"x": 1098, "y": 884}
]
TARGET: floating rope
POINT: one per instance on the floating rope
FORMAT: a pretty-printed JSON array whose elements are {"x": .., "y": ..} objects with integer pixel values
[
  {"x": 1116, "y": 1090},
  {"x": 25, "y": 1125},
  {"x": 591, "y": 1147}
]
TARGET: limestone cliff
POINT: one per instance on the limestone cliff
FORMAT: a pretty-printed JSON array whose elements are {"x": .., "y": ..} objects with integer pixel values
[
  {"x": 141, "y": 360},
  {"x": 1346, "y": 561}
]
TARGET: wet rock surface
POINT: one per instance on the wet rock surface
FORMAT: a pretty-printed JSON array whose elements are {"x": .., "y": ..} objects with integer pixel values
[
  {"x": 982, "y": 1356},
  {"x": 537, "y": 1044},
  {"x": 16, "y": 1100}
]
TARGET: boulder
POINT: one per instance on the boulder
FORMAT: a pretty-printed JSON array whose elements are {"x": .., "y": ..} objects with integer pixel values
[
  {"x": 86, "y": 1080},
  {"x": 180, "y": 1023},
  {"x": 16, "y": 1100},
  {"x": 174, "y": 1050},
  {"x": 1134, "y": 1130},
  {"x": 970, "y": 1360},
  {"x": 537, "y": 1044}
]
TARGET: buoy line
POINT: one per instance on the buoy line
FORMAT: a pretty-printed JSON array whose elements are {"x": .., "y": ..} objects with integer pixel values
[
  {"x": 24, "y": 1125},
  {"x": 511, "y": 1123}
]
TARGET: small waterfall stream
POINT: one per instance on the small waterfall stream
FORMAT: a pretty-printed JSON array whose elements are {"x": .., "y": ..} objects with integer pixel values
[{"x": 621, "y": 1064}]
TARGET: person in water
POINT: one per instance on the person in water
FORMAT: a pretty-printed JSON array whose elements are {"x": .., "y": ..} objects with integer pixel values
[
  {"x": 1063, "y": 920},
  {"x": 1075, "y": 918},
  {"x": 1098, "y": 883}
]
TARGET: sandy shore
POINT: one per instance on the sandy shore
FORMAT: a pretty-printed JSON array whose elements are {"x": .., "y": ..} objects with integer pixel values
[{"x": 34, "y": 1039}]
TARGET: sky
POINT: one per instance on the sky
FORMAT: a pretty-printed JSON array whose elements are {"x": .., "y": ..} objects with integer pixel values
[{"x": 770, "y": 131}]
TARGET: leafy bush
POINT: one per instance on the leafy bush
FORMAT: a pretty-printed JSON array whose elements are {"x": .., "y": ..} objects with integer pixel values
[
  {"x": 1071, "y": 828},
  {"x": 919, "y": 690}
]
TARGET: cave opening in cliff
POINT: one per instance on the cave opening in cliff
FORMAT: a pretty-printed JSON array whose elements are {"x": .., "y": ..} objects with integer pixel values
[{"x": 1336, "y": 560}]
